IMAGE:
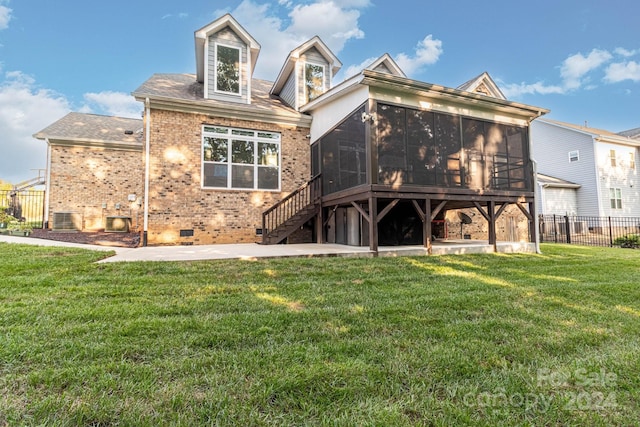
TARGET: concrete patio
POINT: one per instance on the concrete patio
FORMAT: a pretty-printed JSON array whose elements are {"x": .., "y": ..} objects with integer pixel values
[{"x": 250, "y": 251}]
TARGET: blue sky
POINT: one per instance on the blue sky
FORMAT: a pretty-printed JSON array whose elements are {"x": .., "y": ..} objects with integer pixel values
[{"x": 580, "y": 59}]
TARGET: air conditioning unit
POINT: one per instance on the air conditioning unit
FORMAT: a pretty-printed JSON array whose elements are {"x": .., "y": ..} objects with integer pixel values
[
  {"x": 118, "y": 224},
  {"x": 580, "y": 227},
  {"x": 576, "y": 227},
  {"x": 67, "y": 221}
]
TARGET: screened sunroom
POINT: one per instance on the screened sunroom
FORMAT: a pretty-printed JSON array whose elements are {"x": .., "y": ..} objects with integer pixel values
[{"x": 393, "y": 167}]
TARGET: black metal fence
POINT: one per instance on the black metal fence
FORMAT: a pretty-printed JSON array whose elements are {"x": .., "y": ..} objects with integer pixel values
[
  {"x": 25, "y": 206},
  {"x": 586, "y": 230}
]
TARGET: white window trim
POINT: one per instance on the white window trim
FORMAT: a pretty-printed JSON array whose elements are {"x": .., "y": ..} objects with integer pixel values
[
  {"x": 255, "y": 139},
  {"x": 613, "y": 158},
  {"x": 215, "y": 74},
  {"x": 577, "y": 156},
  {"x": 616, "y": 191},
  {"x": 304, "y": 81}
]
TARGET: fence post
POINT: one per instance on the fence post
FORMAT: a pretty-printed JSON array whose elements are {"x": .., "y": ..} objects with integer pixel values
[
  {"x": 567, "y": 228},
  {"x": 541, "y": 227},
  {"x": 610, "y": 233}
]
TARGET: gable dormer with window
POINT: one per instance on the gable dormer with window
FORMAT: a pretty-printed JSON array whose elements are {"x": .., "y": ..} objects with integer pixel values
[
  {"x": 307, "y": 73},
  {"x": 225, "y": 59}
]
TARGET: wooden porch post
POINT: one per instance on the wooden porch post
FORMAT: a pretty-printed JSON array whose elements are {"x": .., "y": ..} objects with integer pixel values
[
  {"x": 428, "y": 232},
  {"x": 492, "y": 225},
  {"x": 373, "y": 225},
  {"x": 320, "y": 226},
  {"x": 533, "y": 223}
]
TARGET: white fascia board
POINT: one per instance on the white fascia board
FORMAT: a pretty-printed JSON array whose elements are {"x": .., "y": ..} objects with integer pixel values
[
  {"x": 337, "y": 91},
  {"x": 622, "y": 140}
]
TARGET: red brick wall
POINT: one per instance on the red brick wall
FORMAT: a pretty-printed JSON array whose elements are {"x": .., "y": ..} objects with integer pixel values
[
  {"x": 84, "y": 179},
  {"x": 176, "y": 199}
]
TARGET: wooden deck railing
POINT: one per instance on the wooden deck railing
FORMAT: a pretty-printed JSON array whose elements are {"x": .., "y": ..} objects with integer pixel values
[{"x": 305, "y": 196}]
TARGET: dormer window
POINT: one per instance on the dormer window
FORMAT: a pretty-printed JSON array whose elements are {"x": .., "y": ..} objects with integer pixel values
[
  {"x": 306, "y": 74},
  {"x": 225, "y": 59},
  {"x": 227, "y": 69},
  {"x": 313, "y": 81}
]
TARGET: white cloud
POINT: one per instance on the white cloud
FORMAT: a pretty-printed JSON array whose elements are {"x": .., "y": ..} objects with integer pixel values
[
  {"x": 352, "y": 70},
  {"x": 333, "y": 23},
  {"x": 336, "y": 22},
  {"x": 625, "y": 52},
  {"x": 113, "y": 104},
  {"x": 575, "y": 67},
  {"x": 575, "y": 74},
  {"x": 24, "y": 110},
  {"x": 5, "y": 17},
  {"x": 428, "y": 52},
  {"x": 180, "y": 15},
  {"x": 514, "y": 90},
  {"x": 621, "y": 71}
]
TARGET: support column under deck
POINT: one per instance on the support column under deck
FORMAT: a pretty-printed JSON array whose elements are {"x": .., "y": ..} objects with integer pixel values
[
  {"x": 373, "y": 225},
  {"x": 428, "y": 232},
  {"x": 491, "y": 207}
]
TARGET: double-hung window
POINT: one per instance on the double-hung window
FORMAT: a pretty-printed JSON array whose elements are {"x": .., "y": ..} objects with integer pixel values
[
  {"x": 615, "y": 196},
  {"x": 240, "y": 159}
]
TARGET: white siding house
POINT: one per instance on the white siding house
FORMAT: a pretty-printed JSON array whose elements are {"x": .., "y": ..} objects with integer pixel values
[
  {"x": 601, "y": 163},
  {"x": 556, "y": 196}
]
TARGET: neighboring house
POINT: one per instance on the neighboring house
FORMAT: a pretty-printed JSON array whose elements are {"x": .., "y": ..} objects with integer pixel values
[
  {"x": 556, "y": 196},
  {"x": 602, "y": 164},
  {"x": 223, "y": 157}
]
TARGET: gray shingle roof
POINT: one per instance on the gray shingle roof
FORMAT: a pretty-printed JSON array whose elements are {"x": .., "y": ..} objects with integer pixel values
[
  {"x": 184, "y": 87},
  {"x": 631, "y": 133},
  {"x": 552, "y": 181},
  {"x": 82, "y": 127}
]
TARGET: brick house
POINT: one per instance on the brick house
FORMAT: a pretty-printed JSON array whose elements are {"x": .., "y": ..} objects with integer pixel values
[{"x": 221, "y": 157}]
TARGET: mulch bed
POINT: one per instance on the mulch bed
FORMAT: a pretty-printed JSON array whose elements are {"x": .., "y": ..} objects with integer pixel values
[{"x": 102, "y": 238}]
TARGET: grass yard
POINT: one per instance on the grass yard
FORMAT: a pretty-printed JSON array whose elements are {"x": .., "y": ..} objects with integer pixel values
[{"x": 550, "y": 339}]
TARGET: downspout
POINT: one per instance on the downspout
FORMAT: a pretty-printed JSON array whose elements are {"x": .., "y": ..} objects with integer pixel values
[
  {"x": 147, "y": 131},
  {"x": 47, "y": 187},
  {"x": 534, "y": 164},
  {"x": 536, "y": 219}
]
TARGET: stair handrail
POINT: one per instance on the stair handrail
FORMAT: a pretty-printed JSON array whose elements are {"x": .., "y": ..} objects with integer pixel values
[
  {"x": 307, "y": 194},
  {"x": 24, "y": 185}
]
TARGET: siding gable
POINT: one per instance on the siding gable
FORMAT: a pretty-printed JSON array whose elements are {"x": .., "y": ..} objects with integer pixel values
[
  {"x": 311, "y": 56},
  {"x": 382, "y": 68},
  {"x": 227, "y": 37},
  {"x": 551, "y": 145},
  {"x": 290, "y": 85}
]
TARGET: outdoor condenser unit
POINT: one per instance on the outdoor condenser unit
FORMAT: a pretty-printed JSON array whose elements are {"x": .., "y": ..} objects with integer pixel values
[
  {"x": 67, "y": 221},
  {"x": 119, "y": 224}
]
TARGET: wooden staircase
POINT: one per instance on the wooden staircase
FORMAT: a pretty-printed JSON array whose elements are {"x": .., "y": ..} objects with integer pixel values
[{"x": 292, "y": 212}]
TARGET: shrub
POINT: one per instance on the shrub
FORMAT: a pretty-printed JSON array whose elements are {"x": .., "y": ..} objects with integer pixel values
[{"x": 628, "y": 241}]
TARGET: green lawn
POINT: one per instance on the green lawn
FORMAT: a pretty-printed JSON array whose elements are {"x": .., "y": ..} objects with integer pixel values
[{"x": 550, "y": 339}]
